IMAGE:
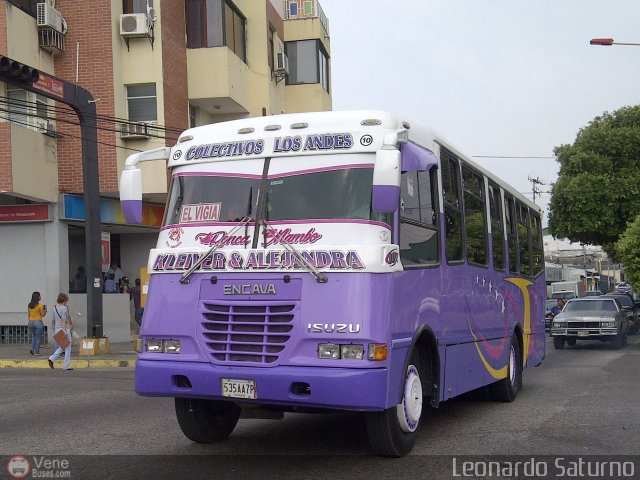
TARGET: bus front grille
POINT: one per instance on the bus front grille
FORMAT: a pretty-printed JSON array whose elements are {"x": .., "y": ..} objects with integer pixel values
[{"x": 246, "y": 332}]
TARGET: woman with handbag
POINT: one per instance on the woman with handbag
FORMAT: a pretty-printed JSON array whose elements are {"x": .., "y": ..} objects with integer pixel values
[
  {"x": 36, "y": 313},
  {"x": 63, "y": 326}
]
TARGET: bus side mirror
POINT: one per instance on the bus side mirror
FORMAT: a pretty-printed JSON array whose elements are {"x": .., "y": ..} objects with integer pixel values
[
  {"x": 385, "y": 193},
  {"x": 131, "y": 195}
]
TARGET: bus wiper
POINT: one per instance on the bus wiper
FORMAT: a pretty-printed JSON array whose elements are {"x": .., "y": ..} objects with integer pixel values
[
  {"x": 185, "y": 276},
  {"x": 248, "y": 215},
  {"x": 319, "y": 276}
]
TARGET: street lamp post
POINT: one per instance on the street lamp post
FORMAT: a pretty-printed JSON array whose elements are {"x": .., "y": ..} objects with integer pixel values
[{"x": 607, "y": 42}]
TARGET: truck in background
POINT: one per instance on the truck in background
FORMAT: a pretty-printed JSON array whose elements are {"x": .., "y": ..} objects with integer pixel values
[{"x": 567, "y": 290}]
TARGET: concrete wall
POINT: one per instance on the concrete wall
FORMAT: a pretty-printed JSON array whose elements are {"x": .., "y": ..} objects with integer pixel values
[
  {"x": 134, "y": 253},
  {"x": 116, "y": 316}
]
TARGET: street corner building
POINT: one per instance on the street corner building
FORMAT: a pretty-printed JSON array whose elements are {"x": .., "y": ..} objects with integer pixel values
[{"x": 154, "y": 68}]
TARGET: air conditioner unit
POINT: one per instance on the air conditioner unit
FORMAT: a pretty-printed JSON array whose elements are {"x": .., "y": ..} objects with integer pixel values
[
  {"x": 48, "y": 17},
  {"x": 135, "y": 131},
  {"x": 282, "y": 63},
  {"x": 135, "y": 25}
]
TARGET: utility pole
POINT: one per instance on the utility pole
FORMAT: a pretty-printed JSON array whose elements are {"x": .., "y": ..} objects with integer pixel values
[{"x": 534, "y": 186}]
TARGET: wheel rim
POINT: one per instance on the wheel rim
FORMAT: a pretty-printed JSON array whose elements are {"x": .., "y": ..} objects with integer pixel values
[
  {"x": 512, "y": 365},
  {"x": 410, "y": 409}
]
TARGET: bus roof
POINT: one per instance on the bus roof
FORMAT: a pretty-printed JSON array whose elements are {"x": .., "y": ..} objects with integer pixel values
[{"x": 244, "y": 135}]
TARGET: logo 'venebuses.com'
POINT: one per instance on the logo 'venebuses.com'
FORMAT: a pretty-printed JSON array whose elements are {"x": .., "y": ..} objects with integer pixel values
[{"x": 18, "y": 467}]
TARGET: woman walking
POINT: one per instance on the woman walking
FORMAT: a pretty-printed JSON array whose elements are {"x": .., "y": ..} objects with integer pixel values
[
  {"x": 62, "y": 321},
  {"x": 36, "y": 313}
]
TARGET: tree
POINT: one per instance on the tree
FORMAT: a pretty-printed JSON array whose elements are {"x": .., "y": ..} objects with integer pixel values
[
  {"x": 628, "y": 250},
  {"x": 598, "y": 187}
]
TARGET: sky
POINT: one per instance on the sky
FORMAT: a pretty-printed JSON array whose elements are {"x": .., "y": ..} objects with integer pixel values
[{"x": 497, "y": 78}]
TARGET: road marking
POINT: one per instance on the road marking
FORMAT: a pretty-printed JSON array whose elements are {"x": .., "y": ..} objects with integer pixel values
[{"x": 74, "y": 364}]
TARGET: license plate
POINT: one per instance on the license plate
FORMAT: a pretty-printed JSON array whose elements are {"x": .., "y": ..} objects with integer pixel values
[
  {"x": 232, "y": 387},
  {"x": 583, "y": 334}
]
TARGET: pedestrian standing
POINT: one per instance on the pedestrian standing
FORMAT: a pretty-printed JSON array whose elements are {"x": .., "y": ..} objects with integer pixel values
[
  {"x": 62, "y": 321},
  {"x": 36, "y": 313},
  {"x": 135, "y": 294}
]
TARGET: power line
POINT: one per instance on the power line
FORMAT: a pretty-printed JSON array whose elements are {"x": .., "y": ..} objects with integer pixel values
[
  {"x": 11, "y": 120},
  {"x": 509, "y": 156},
  {"x": 67, "y": 111},
  {"x": 76, "y": 123}
]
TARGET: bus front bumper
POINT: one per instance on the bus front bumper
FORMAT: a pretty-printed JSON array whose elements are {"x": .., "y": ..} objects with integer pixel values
[{"x": 331, "y": 388}]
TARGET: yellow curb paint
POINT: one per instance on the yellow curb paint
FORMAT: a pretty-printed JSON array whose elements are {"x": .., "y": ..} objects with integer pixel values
[{"x": 74, "y": 364}]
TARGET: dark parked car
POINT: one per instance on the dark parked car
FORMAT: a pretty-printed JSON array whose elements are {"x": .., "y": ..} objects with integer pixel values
[
  {"x": 629, "y": 307},
  {"x": 592, "y": 318},
  {"x": 592, "y": 293}
]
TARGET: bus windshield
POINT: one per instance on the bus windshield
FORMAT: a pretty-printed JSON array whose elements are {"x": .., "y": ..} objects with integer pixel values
[
  {"x": 339, "y": 193},
  {"x": 332, "y": 194}
]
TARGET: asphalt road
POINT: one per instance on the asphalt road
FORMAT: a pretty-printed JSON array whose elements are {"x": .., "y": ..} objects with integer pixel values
[{"x": 582, "y": 401}]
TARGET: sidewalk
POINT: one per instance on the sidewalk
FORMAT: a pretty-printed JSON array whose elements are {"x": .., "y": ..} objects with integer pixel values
[{"x": 122, "y": 355}]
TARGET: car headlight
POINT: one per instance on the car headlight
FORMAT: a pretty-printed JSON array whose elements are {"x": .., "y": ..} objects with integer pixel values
[
  {"x": 559, "y": 324},
  {"x": 608, "y": 324}
]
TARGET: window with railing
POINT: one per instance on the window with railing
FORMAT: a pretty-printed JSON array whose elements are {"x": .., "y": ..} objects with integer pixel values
[
  {"x": 216, "y": 23},
  {"x": 28, "y": 109}
]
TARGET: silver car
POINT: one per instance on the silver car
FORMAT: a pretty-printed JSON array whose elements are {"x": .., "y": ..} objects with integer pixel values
[{"x": 590, "y": 318}]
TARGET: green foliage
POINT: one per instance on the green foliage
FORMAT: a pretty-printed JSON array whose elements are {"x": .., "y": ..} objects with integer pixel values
[
  {"x": 598, "y": 188},
  {"x": 628, "y": 250}
]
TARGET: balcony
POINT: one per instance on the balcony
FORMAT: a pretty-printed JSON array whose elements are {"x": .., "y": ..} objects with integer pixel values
[{"x": 219, "y": 81}]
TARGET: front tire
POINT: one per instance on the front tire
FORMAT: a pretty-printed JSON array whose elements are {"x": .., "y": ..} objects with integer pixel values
[
  {"x": 571, "y": 341},
  {"x": 392, "y": 432},
  {"x": 206, "y": 421},
  {"x": 506, "y": 390},
  {"x": 558, "y": 343}
]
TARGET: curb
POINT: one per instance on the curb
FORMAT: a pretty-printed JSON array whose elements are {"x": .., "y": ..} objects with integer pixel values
[{"x": 74, "y": 364}]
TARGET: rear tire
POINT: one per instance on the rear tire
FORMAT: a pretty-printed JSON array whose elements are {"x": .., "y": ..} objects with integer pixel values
[
  {"x": 206, "y": 421},
  {"x": 558, "y": 343},
  {"x": 392, "y": 432},
  {"x": 506, "y": 390}
]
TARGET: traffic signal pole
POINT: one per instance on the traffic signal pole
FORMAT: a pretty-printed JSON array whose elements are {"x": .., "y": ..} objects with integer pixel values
[{"x": 83, "y": 104}]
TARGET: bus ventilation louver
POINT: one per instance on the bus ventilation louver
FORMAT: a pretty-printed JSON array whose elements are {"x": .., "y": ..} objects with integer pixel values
[{"x": 246, "y": 333}]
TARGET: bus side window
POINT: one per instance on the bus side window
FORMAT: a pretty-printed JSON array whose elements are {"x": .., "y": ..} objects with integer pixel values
[
  {"x": 452, "y": 206},
  {"x": 418, "y": 235},
  {"x": 524, "y": 238},
  {"x": 474, "y": 217},
  {"x": 537, "y": 248},
  {"x": 497, "y": 230},
  {"x": 512, "y": 238}
]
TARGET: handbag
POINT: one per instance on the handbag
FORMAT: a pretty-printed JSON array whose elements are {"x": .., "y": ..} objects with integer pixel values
[{"x": 61, "y": 338}]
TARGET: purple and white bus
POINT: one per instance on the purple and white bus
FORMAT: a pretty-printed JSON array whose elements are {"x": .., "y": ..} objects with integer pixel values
[{"x": 334, "y": 261}]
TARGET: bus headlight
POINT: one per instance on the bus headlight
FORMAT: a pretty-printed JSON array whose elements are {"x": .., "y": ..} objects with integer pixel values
[
  {"x": 351, "y": 352},
  {"x": 154, "y": 345},
  {"x": 172, "y": 346},
  {"x": 329, "y": 350}
]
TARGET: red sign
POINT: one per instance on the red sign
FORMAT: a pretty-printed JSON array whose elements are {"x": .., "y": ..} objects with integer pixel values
[
  {"x": 50, "y": 85},
  {"x": 24, "y": 213}
]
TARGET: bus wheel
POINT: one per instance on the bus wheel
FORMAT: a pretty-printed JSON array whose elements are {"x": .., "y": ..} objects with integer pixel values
[
  {"x": 392, "y": 432},
  {"x": 558, "y": 343},
  {"x": 206, "y": 421},
  {"x": 505, "y": 390}
]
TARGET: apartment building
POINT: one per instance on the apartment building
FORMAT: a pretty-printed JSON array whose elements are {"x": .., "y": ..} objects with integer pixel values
[{"x": 154, "y": 68}]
